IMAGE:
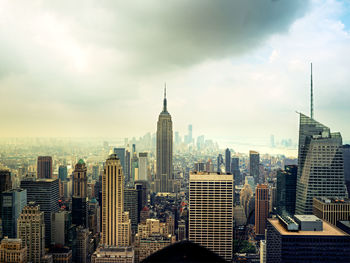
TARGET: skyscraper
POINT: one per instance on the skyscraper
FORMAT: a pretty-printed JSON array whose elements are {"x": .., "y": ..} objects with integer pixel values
[
  {"x": 120, "y": 152},
  {"x": 115, "y": 222},
  {"x": 220, "y": 161},
  {"x": 5, "y": 184},
  {"x": 12, "y": 250},
  {"x": 286, "y": 189},
  {"x": 44, "y": 167},
  {"x": 31, "y": 230},
  {"x": 211, "y": 212},
  {"x": 62, "y": 172},
  {"x": 127, "y": 167},
  {"x": 79, "y": 199},
  {"x": 143, "y": 163},
  {"x": 235, "y": 170},
  {"x": 228, "y": 160},
  {"x": 254, "y": 161},
  {"x": 164, "y": 176},
  {"x": 261, "y": 208},
  {"x": 44, "y": 192},
  {"x": 320, "y": 164}
]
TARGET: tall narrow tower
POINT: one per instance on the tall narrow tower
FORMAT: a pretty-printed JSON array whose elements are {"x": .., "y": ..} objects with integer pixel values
[
  {"x": 164, "y": 177},
  {"x": 115, "y": 222},
  {"x": 79, "y": 199}
]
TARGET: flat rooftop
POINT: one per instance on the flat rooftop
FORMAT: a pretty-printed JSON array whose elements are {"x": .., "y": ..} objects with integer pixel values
[
  {"x": 307, "y": 218},
  {"x": 333, "y": 200},
  {"x": 203, "y": 176},
  {"x": 328, "y": 230}
]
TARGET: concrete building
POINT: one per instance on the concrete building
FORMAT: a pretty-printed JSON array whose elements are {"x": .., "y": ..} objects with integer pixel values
[
  {"x": 44, "y": 192},
  {"x": 211, "y": 212},
  {"x": 61, "y": 225},
  {"x": 5, "y": 184},
  {"x": 116, "y": 225},
  {"x": 262, "y": 251},
  {"x": 151, "y": 237},
  {"x": 13, "y": 202},
  {"x": 143, "y": 166},
  {"x": 331, "y": 209},
  {"x": 120, "y": 152},
  {"x": 44, "y": 167},
  {"x": 286, "y": 189},
  {"x": 228, "y": 160},
  {"x": 320, "y": 164},
  {"x": 236, "y": 171},
  {"x": 62, "y": 172},
  {"x": 82, "y": 245},
  {"x": 31, "y": 230},
  {"x": 164, "y": 154},
  {"x": 61, "y": 255},
  {"x": 254, "y": 162},
  {"x": 113, "y": 255},
  {"x": 261, "y": 208},
  {"x": 305, "y": 239},
  {"x": 12, "y": 250},
  {"x": 79, "y": 199},
  {"x": 131, "y": 200}
]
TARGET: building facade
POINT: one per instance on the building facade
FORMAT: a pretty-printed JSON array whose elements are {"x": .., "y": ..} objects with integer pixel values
[
  {"x": 254, "y": 162},
  {"x": 320, "y": 164},
  {"x": 332, "y": 210},
  {"x": 31, "y": 230},
  {"x": 286, "y": 189},
  {"x": 211, "y": 212},
  {"x": 13, "y": 202},
  {"x": 12, "y": 250},
  {"x": 44, "y": 192},
  {"x": 44, "y": 167},
  {"x": 116, "y": 226},
  {"x": 79, "y": 199},
  {"x": 261, "y": 208},
  {"x": 164, "y": 154}
]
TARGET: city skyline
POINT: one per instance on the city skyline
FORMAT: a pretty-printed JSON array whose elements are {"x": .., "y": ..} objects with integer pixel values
[{"x": 65, "y": 83}]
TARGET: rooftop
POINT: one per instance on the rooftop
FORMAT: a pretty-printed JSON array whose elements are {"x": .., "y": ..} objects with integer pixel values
[
  {"x": 333, "y": 200},
  {"x": 328, "y": 230},
  {"x": 307, "y": 218}
]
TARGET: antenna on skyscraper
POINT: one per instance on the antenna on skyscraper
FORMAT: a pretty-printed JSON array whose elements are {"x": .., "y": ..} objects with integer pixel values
[
  {"x": 312, "y": 98},
  {"x": 165, "y": 90}
]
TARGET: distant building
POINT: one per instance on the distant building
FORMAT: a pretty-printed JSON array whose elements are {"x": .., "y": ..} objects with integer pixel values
[
  {"x": 5, "y": 184},
  {"x": 143, "y": 166},
  {"x": 286, "y": 189},
  {"x": 44, "y": 192},
  {"x": 12, "y": 250},
  {"x": 220, "y": 162},
  {"x": 79, "y": 199},
  {"x": 127, "y": 167},
  {"x": 228, "y": 160},
  {"x": 61, "y": 228},
  {"x": 331, "y": 209},
  {"x": 209, "y": 166},
  {"x": 31, "y": 230},
  {"x": 113, "y": 255},
  {"x": 250, "y": 181},
  {"x": 308, "y": 239},
  {"x": 261, "y": 208},
  {"x": 131, "y": 200},
  {"x": 199, "y": 167},
  {"x": 181, "y": 231},
  {"x": 62, "y": 172},
  {"x": 254, "y": 162},
  {"x": 95, "y": 172},
  {"x": 211, "y": 215},
  {"x": 164, "y": 151},
  {"x": 320, "y": 164},
  {"x": 120, "y": 152},
  {"x": 236, "y": 171},
  {"x": 116, "y": 227},
  {"x": 44, "y": 167},
  {"x": 13, "y": 202}
]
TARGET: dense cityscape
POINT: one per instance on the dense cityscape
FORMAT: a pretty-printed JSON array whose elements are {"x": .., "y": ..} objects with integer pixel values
[
  {"x": 104, "y": 203},
  {"x": 174, "y": 131}
]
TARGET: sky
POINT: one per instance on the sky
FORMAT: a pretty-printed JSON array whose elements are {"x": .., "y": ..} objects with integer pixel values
[{"x": 236, "y": 70}]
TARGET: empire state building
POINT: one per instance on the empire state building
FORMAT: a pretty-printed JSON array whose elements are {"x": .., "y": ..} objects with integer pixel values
[{"x": 164, "y": 177}]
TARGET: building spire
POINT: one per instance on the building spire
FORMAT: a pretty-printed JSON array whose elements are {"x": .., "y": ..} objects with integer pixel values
[
  {"x": 312, "y": 98},
  {"x": 164, "y": 101}
]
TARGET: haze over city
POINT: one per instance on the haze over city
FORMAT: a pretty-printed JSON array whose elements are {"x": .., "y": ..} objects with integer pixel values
[{"x": 236, "y": 70}]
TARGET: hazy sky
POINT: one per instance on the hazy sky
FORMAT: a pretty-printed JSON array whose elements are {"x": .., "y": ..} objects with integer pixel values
[{"x": 236, "y": 70}]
